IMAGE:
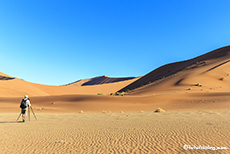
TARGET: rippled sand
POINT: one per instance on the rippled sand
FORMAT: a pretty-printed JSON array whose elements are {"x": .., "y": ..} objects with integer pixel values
[{"x": 115, "y": 132}]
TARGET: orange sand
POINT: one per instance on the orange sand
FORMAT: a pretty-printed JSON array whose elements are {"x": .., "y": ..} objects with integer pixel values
[{"x": 145, "y": 132}]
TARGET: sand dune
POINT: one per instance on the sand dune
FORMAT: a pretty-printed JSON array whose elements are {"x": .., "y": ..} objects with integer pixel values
[
  {"x": 206, "y": 73},
  {"x": 98, "y": 80},
  {"x": 211, "y": 70},
  {"x": 186, "y": 85},
  {"x": 88, "y": 90},
  {"x": 17, "y": 87},
  {"x": 14, "y": 87}
]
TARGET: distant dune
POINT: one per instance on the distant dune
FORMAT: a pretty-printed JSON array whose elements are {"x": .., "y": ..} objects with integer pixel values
[
  {"x": 14, "y": 87},
  {"x": 104, "y": 89},
  {"x": 98, "y": 80}
]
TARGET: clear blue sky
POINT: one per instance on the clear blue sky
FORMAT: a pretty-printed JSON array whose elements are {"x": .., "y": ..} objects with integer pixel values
[{"x": 56, "y": 42}]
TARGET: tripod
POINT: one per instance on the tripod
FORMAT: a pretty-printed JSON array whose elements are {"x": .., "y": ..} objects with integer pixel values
[{"x": 28, "y": 113}]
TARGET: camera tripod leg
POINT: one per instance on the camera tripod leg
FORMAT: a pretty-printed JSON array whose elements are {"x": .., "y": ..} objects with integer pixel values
[
  {"x": 33, "y": 113},
  {"x": 29, "y": 113},
  {"x": 19, "y": 116}
]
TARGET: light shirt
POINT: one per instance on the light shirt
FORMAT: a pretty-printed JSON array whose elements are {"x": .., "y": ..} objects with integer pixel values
[{"x": 28, "y": 102}]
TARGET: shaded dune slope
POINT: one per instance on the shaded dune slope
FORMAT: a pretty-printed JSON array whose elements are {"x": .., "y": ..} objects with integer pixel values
[
  {"x": 5, "y": 77},
  {"x": 88, "y": 90},
  {"x": 98, "y": 80},
  {"x": 174, "y": 75}
]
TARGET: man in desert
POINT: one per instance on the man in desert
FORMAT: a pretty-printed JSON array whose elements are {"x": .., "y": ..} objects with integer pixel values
[{"x": 25, "y": 104}]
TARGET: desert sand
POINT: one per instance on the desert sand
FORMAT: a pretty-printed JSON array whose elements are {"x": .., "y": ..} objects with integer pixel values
[
  {"x": 83, "y": 116},
  {"x": 143, "y": 132}
]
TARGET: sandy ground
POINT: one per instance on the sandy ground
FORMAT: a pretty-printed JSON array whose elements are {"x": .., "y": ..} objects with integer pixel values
[
  {"x": 170, "y": 101},
  {"x": 143, "y": 132}
]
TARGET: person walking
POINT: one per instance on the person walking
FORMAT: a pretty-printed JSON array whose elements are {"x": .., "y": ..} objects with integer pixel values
[{"x": 25, "y": 104}]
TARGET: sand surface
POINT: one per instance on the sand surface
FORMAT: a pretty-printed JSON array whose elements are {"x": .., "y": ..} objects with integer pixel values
[
  {"x": 143, "y": 132},
  {"x": 169, "y": 101}
]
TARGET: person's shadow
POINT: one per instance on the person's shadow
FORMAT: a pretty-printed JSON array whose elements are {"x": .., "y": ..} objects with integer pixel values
[{"x": 9, "y": 122}]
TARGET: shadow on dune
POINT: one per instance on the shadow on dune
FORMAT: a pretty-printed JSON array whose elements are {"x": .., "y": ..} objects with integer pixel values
[
  {"x": 9, "y": 122},
  {"x": 99, "y": 81},
  {"x": 217, "y": 66},
  {"x": 6, "y": 78},
  {"x": 104, "y": 80}
]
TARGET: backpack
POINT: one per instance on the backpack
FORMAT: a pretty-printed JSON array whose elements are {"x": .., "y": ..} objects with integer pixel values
[{"x": 23, "y": 104}]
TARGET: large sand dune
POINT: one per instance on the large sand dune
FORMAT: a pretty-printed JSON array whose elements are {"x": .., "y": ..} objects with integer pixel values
[{"x": 211, "y": 70}]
